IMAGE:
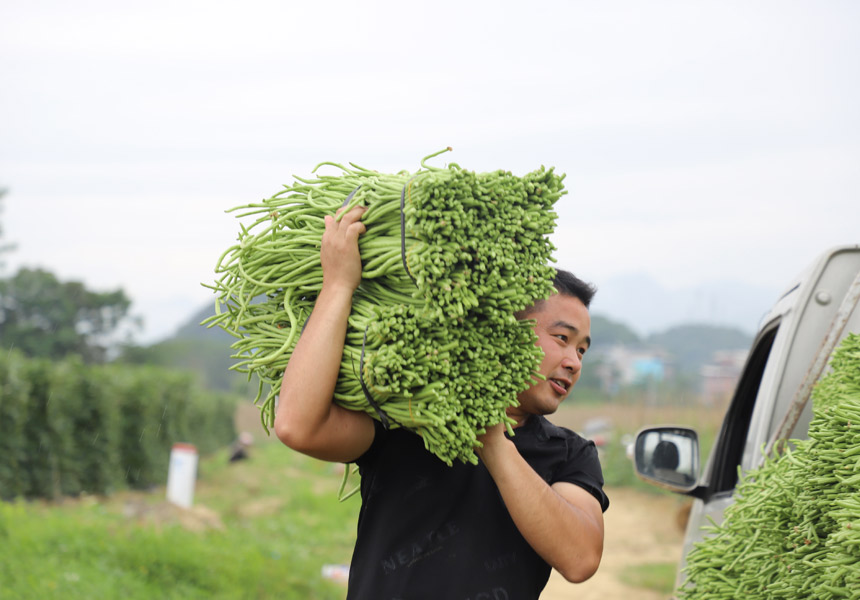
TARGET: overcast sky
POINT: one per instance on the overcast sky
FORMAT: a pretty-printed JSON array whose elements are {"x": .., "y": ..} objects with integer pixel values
[{"x": 702, "y": 141}]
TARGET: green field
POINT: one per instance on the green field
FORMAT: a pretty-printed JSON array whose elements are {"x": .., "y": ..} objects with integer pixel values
[{"x": 262, "y": 528}]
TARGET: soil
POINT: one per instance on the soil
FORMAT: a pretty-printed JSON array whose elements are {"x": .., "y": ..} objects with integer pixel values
[{"x": 641, "y": 528}]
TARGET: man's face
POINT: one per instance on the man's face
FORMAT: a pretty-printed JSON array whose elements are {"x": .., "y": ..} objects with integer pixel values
[{"x": 563, "y": 328}]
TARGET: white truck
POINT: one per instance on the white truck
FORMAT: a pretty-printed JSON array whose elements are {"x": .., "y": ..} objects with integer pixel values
[{"x": 770, "y": 402}]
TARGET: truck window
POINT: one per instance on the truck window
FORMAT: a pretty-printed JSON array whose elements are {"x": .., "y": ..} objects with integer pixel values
[{"x": 729, "y": 448}]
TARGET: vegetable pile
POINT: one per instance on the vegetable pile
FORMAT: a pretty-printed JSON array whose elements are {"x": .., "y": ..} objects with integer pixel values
[
  {"x": 432, "y": 342},
  {"x": 794, "y": 531}
]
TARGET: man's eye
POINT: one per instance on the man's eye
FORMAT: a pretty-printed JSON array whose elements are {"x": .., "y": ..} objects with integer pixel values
[{"x": 561, "y": 336}]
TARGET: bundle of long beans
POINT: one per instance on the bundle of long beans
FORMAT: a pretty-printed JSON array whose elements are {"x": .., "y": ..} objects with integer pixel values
[
  {"x": 794, "y": 530},
  {"x": 448, "y": 257}
]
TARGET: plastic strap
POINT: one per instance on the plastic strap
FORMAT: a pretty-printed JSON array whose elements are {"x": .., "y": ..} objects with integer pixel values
[
  {"x": 403, "y": 229},
  {"x": 349, "y": 197},
  {"x": 383, "y": 418}
]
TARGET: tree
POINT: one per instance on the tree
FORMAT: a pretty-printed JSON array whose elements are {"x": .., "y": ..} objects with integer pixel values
[{"x": 44, "y": 317}]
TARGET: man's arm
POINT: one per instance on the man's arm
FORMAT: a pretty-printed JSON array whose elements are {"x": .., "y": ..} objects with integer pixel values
[
  {"x": 562, "y": 522},
  {"x": 307, "y": 420}
]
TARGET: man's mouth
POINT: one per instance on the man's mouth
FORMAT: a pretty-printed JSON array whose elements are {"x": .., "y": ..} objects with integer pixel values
[{"x": 559, "y": 386}]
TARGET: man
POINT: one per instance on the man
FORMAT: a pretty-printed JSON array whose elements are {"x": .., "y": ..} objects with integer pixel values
[
  {"x": 241, "y": 447},
  {"x": 426, "y": 530}
]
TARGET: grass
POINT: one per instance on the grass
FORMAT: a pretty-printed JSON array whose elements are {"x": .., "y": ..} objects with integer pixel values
[
  {"x": 659, "y": 577},
  {"x": 260, "y": 529}
]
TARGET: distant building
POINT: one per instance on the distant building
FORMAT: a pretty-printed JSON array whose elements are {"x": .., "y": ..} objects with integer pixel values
[
  {"x": 720, "y": 376},
  {"x": 648, "y": 368},
  {"x": 623, "y": 366}
]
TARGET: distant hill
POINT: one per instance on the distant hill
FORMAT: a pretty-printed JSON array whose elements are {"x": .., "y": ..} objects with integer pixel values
[
  {"x": 192, "y": 329},
  {"x": 606, "y": 332},
  {"x": 202, "y": 350},
  {"x": 692, "y": 346}
]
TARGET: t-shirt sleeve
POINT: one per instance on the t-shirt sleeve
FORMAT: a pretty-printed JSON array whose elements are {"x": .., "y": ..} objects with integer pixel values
[
  {"x": 582, "y": 468},
  {"x": 379, "y": 438}
]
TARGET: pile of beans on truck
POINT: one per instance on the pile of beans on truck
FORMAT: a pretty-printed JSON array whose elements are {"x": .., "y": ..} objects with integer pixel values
[{"x": 776, "y": 510}]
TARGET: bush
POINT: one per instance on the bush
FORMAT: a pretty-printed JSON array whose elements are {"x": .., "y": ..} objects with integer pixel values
[
  {"x": 142, "y": 455},
  {"x": 13, "y": 411},
  {"x": 40, "y": 444},
  {"x": 67, "y": 428},
  {"x": 86, "y": 428}
]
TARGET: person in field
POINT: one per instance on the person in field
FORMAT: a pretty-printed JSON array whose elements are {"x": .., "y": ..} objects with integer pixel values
[{"x": 490, "y": 531}]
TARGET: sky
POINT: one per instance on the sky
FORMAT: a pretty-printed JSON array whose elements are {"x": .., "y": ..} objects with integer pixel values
[{"x": 704, "y": 143}]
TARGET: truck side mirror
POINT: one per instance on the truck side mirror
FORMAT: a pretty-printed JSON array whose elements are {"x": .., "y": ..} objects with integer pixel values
[{"x": 668, "y": 457}]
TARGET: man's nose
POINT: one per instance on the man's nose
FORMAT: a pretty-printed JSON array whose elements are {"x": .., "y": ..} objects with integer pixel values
[{"x": 572, "y": 362}]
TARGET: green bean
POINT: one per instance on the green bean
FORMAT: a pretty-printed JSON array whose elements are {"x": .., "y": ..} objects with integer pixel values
[
  {"x": 431, "y": 322},
  {"x": 794, "y": 529}
]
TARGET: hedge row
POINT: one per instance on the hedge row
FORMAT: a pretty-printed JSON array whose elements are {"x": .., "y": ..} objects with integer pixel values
[{"x": 67, "y": 428}]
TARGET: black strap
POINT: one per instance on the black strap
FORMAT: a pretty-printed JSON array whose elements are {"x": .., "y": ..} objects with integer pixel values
[
  {"x": 349, "y": 197},
  {"x": 383, "y": 418}
]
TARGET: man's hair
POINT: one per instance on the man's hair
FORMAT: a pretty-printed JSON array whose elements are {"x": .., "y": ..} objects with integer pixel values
[{"x": 566, "y": 284}]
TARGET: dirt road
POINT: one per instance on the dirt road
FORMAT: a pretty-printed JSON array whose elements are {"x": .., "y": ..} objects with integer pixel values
[{"x": 640, "y": 529}]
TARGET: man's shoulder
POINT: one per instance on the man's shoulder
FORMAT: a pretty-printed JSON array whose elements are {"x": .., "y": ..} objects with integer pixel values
[
  {"x": 542, "y": 438},
  {"x": 546, "y": 429}
]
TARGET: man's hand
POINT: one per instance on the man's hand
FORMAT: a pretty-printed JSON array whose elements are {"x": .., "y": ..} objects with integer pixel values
[
  {"x": 339, "y": 256},
  {"x": 491, "y": 442}
]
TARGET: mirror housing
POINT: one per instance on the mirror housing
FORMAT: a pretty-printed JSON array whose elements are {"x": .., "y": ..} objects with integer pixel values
[{"x": 668, "y": 457}]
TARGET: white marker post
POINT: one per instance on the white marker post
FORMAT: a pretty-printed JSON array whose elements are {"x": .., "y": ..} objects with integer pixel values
[{"x": 182, "y": 475}]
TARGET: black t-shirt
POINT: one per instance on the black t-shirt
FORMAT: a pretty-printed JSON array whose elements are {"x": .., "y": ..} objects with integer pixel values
[{"x": 430, "y": 531}]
